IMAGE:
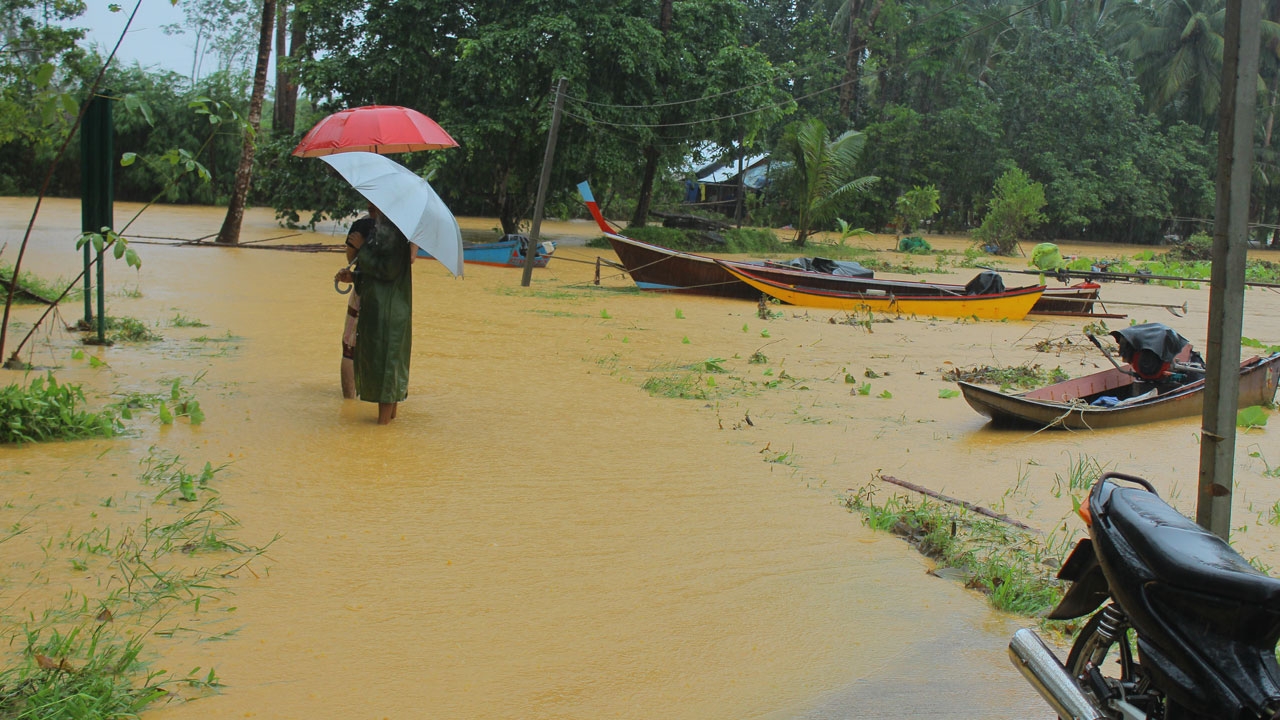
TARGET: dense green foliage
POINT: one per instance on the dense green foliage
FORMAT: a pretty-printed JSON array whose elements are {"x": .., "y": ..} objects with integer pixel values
[
  {"x": 48, "y": 410},
  {"x": 1111, "y": 108}
]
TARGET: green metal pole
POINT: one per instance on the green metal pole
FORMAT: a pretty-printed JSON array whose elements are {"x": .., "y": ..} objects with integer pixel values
[{"x": 97, "y": 197}]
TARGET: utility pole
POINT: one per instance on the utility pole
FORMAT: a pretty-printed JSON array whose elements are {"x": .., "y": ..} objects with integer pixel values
[
  {"x": 547, "y": 160},
  {"x": 1226, "y": 284}
]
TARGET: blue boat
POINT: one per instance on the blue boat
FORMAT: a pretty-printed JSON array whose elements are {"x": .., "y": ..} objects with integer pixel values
[{"x": 506, "y": 252}]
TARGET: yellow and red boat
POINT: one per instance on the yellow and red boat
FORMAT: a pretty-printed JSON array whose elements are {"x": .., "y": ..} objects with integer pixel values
[{"x": 923, "y": 300}]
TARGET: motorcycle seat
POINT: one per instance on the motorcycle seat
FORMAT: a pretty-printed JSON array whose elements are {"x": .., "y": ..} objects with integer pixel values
[{"x": 1183, "y": 554}]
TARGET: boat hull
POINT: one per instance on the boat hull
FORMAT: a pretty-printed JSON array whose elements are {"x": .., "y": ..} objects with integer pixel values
[
  {"x": 658, "y": 269},
  {"x": 505, "y": 253},
  {"x": 1008, "y": 305},
  {"x": 1055, "y": 406}
]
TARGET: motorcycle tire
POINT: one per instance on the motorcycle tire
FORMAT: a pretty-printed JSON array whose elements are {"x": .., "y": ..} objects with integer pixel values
[{"x": 1106, "y": 653}]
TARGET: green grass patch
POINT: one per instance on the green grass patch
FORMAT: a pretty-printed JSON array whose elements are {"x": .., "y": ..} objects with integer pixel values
[
  {"x": 1015, "y": 569},
  {"x": 48, "y": 410},
  {"x": 83, "y": 654},
  {"x": 123, "y": 329},
  {"x": 33, "y": 288}
]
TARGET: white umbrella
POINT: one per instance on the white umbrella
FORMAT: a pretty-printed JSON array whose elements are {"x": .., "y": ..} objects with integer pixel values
[{"x": 407, "y": 200}]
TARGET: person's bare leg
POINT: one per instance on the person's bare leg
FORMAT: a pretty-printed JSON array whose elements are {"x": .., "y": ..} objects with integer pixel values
[
  {"x": 348, "y": 379},
  {"x": 386, "y": 411},
  {"x": 395, "y": 407}
]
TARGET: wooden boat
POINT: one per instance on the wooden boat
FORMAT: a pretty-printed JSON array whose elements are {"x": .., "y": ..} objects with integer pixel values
[
  {"x": 507, "y": 252},
  {"x": 1012, "y": 304},
  {"x": 1067, "y": 405},
  {"x": 658, "y": 269}
]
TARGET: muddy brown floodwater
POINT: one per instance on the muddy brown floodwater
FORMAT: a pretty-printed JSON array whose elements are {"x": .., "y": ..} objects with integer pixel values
[{"x": 538, "y": 537}]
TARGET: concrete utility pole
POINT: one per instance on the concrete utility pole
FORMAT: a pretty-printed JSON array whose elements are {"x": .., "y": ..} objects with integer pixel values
[
  {"x": 547, "y": 160},
  {"x": 1226, "y": 283}
]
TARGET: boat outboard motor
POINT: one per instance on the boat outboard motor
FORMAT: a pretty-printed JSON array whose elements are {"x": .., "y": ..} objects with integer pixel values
[{"x": 1154, "y": 351}]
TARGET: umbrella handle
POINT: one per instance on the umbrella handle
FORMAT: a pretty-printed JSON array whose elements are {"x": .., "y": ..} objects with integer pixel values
[{"x": 339, "y": 290}]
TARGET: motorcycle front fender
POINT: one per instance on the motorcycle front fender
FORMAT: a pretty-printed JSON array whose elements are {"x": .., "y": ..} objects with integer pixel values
[{"x": 1089, "y": 589}]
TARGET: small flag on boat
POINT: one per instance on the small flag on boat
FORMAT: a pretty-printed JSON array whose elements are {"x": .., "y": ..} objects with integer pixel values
[{"x": 585, "y": 191}]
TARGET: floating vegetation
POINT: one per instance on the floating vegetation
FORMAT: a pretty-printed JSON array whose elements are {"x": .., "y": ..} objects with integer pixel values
[
  {"x": 122, "y": 329},
  {"x": 1259, "y": 345},
  {"x": 180, "y": 320},
  {"x": 180, "y": 402},
  {"x": 1254, "y": 416},
  {"x": 49, "y": 410},
  {"x": 1025, "y": 377},
  {"x": 710, "y": 365},
  {"x": 688, "y": 386},
  {"x": 227, "y": 338},
  {"x": 80, "y": 655}
]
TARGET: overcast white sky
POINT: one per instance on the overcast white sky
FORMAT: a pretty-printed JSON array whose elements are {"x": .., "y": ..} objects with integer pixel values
[{"x": 146, "y": 43}]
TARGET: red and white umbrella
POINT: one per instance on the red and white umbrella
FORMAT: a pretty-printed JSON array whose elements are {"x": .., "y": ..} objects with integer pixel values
[{"x": 382, "y": 129}]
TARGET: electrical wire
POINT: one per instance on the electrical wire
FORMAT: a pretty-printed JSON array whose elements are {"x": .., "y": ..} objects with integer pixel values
[{"x": 837, "y": 86}]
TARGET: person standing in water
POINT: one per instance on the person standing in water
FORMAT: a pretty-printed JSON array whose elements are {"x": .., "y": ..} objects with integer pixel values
[
  {"x": 384, "y": 328},
  {"x": 360, "y": 229}
]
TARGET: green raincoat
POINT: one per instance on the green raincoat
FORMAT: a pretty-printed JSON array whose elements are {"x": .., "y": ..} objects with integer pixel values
[{"x": 384, "y": 331}]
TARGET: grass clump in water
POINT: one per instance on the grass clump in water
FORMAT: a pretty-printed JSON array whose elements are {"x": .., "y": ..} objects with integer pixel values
[
  {"x": 83, "y": 654},
  {"x": 32, "y": 288},
  {"x": 127, "y": 329},
  {"x": 1015, "y": 569},
  {"x": 49, "y": 410},
  {"x": 1025, "y": 377},
  {"x": 688, "y": 386}
]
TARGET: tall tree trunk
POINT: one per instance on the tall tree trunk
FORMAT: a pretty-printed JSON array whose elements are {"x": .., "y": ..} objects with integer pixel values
[
  {"x": 284, "y": 114},
  {"x": 646, "y": 187},
  {"x": 852, "y": 62},
  {"x": 651, "y": 154},
  {"x": 230, "y": 232}
]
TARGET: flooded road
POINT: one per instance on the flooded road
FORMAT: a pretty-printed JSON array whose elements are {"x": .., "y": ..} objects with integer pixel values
[{"x": 536, "y": 536}]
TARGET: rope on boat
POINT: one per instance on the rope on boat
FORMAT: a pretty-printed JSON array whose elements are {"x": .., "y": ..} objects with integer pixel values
[{"x": 1077, "y": 405}]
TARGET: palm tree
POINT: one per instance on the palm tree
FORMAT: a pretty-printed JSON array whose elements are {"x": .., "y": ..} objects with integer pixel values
[
  {"x": 855, "y": 20},
  {"x": 1176, "y": 48},
  {"x": 821, "y": 172}
]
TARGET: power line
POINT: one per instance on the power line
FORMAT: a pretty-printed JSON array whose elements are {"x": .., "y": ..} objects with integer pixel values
[{"x": 773, "y": 106}]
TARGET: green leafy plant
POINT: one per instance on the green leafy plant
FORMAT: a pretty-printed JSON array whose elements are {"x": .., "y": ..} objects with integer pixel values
[
  {"x": 1012, "y": 213},
  {"x": 49, "y": 410},
  {"x": 1251, "y": 417},
  {"x": 915, "y": 206}
]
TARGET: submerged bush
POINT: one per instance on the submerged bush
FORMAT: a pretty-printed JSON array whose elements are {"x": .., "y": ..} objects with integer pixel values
[{"x": 47, "y": 410}]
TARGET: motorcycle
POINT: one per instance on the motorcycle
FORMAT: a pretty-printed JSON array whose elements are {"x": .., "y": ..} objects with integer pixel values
[{"x": 1187, "y": 628}]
